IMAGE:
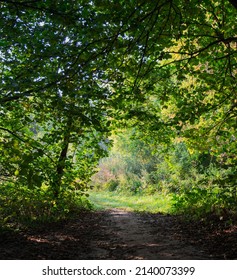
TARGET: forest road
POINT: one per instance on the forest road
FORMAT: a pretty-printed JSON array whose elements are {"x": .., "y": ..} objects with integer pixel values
[
  {"x": 116, "y": 234},
  {"x": 129, "y": 235}
]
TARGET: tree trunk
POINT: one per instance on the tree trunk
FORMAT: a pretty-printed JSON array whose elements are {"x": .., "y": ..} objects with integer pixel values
[{"x": 56, "y": 184}]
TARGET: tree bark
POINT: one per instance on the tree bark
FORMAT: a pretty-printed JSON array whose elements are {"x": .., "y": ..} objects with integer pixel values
[{"x": 56, "y": 184}]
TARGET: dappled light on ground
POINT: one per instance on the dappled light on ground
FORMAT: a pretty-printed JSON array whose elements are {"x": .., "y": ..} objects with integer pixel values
[
  {"x": 139, "y": 239},
  {"x": 118, "y": 234}
]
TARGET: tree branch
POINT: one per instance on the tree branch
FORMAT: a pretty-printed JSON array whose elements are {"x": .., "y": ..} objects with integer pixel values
[
  {"x": 36, "y": 146},
  {"x": 13, "y": 134}
]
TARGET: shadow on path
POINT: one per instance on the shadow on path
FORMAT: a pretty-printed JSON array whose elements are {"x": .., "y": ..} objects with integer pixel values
[
  {"x": 137, "y": 236},
  {"x": 117, "y": 234}
]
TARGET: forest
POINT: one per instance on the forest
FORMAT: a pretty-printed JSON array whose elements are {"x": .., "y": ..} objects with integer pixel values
[{"x": 119, "y": 98}]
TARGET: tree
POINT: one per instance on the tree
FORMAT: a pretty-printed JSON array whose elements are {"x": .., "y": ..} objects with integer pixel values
[{"x": 72, "y": 70}]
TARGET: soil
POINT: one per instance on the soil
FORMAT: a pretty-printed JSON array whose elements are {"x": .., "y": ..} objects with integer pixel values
[{"x": 116, "y": 234}]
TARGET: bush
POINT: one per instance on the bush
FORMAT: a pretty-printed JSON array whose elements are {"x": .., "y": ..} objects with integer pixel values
[
  {"x": 200, "y": 201},
  {"x": 21, "y": 205},
  {"x": 111, "y": 185}
]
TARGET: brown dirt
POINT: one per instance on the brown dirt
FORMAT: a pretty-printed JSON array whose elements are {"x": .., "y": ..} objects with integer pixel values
[{"x": 118, "y": 234}]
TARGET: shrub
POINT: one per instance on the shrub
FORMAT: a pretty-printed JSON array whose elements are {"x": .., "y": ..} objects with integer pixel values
[
  {"x": 19, "y": 204},
  {"x": 200, "y": 201},
  {"x": 111, "y": 185}
]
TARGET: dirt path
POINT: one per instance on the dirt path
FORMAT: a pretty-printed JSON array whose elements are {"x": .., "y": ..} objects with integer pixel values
[
  {"x": 117, "y": 234},
  {"x": 136, "y": 236}
]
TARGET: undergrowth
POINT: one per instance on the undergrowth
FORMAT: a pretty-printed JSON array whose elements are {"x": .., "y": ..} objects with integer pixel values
[
  {"x": 24, "y": 207},
  {"x": 198, "y": 202}
]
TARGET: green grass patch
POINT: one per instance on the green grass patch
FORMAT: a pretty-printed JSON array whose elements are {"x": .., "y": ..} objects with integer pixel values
[{"x": 139, "y": 203}]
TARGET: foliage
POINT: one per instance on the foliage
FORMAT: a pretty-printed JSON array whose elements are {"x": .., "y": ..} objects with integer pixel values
[
  {"x": 196, "y": 183},
  {"x": 209, "y": 195},
  {"x": 201, "y": 201},
  {"x": 128, "y": 166},
  {"x": 142, "y": 167},
  {"x": 73, "y": 71},
  {"x": 22, "y": 206}
]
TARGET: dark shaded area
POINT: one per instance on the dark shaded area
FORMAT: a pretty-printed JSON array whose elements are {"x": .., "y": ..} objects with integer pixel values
[
  {"x": 215, "y": 236},
  {"x": 93, "y": 235},
  {"x": 218, "y": 235},
  {"x": 234, "y": 3},
  {"x": 63, "y": 240}
]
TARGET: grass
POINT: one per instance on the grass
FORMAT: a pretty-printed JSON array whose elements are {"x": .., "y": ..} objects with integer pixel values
[{"x": 139, "y": 203}]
